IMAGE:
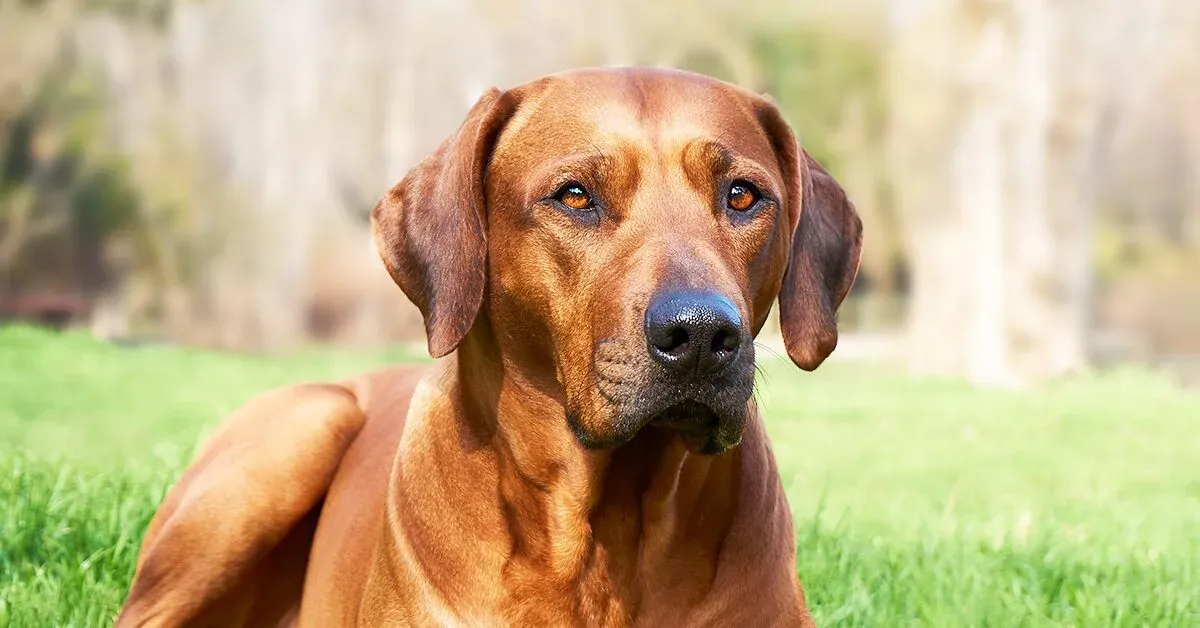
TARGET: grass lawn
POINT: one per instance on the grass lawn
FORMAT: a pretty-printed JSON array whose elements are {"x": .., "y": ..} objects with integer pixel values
[{"x": 917, "y": 502}]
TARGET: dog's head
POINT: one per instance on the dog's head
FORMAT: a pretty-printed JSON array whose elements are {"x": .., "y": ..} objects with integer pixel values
[{"x": 624, "y": 233}]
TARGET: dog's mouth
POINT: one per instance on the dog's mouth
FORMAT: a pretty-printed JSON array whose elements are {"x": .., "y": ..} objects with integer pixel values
[
  {"x": 687, "y": 415},
  {"x": 708, "y": 412},
  {"x": 698, "y": 425}
]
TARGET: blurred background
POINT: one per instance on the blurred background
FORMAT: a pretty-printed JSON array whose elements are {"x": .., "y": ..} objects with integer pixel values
[
  {"x": 1003, "y": 437},
  {"x": 202, "y": 171}
]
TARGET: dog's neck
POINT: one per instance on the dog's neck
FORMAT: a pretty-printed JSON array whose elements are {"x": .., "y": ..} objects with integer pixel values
[{"x": 593, "y": 521}]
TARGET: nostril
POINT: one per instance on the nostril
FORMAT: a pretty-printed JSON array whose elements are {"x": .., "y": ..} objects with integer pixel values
[
  {"x": 675, "y": 343},
  {"x": 725, "y": 342}
]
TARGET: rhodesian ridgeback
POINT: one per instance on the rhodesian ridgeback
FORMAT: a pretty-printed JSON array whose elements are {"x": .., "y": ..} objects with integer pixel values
[{"x": 595, "y": 252}]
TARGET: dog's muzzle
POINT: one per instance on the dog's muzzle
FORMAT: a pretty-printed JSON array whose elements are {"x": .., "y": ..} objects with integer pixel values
[{"x": 704, "y": 367}]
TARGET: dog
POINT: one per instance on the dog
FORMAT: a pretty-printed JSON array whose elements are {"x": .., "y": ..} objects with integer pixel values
[{"x": 593, "y": 253}]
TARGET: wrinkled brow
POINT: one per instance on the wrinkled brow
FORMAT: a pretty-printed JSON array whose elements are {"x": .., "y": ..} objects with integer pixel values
[
  {"x": 592, "y": 163},
  {"x": 542, "y": 179},
  {"x": 706, "y": 160},
  {"x": 707, "y": 155},
  {"x": 613, "y": 169}
]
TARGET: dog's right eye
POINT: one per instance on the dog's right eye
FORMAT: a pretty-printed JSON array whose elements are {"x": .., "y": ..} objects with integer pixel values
[
  {"x": 742, "y": 196},
  {"x": 574, "y": 196}
]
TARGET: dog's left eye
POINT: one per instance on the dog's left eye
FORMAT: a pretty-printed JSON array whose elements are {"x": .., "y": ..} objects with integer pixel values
[
  {"x": 742, "y": 196},
  {"x": 574, "y": 196}
]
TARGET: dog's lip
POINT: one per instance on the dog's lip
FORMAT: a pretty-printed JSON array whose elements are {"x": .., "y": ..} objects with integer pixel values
[
  {"x": 702, "y": 427},
  {"x": 687, "y": 415}
]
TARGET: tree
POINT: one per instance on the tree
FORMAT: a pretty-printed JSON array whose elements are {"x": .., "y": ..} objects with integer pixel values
[
  {"x": 31, "y": 41},
  {"x": 998, "y": 119}
]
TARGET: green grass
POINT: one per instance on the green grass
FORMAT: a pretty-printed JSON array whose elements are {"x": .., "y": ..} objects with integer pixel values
[{"x": 917, "y": 502}]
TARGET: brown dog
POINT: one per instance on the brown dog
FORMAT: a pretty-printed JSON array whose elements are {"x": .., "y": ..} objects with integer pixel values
[{"x": 601, "y": 247}]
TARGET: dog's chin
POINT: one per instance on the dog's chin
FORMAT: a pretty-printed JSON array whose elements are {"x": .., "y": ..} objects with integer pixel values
[
  {"x": 701, "y": 428},
  {"x": 705, "y": 429}
]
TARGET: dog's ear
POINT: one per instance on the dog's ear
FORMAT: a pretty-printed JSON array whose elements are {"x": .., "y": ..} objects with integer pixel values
[
  {"x": 430, "y": 228},
  {"x": 825, "y": 248}
]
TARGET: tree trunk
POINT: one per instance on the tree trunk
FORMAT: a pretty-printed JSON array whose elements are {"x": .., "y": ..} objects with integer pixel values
[{"x": 992, "y": 171}]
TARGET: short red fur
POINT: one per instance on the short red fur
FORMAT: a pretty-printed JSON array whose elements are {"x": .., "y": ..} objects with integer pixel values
[{"x": 518, "y": 482}]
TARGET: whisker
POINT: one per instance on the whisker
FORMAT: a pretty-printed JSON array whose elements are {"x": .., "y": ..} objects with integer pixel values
[
  {"x": 775, "y": 354},
  {"x": 762, "y": 381},
  {"x": 758, "y": 369}
]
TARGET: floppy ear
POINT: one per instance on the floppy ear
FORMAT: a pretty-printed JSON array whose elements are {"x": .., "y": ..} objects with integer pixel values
[
  {"x": 430, "y": 228},
  {"x": 825, "y": 248}
]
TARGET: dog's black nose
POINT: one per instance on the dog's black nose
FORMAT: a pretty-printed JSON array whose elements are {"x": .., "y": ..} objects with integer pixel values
[{"x": 693, "y": 332}]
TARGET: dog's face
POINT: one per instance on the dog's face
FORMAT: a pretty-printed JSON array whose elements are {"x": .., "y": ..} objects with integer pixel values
[{"x": 631, "y": 230}]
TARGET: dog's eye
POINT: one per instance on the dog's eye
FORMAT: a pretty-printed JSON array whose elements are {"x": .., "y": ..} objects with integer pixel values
[
  {"x": 742, "y": 196},
  {"x": 574, "y": 196}
]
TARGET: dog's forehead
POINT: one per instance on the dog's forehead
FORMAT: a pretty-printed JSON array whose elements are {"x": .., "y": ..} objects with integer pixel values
[{"x": 642, "y": 106}]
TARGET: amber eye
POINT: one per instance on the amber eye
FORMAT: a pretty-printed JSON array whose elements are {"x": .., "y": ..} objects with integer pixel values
[
  {"x": 742, "y": 196},
  {"x": 574, "y": 196}
]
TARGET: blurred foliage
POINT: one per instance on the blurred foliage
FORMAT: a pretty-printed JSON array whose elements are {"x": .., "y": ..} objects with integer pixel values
[
  {"x": 78, "y": 215},
  {"x": 62, "y": 193},
  {"x": 815, "y": 72},
  {"x": 1118, "y": 255},
  {"x": 156, "y": 13}
]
